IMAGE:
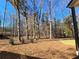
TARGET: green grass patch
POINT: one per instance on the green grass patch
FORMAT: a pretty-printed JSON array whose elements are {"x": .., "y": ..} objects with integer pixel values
[{"x": 68, "y": 42}]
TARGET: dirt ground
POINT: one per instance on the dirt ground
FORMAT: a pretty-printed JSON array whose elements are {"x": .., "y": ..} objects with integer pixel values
[{"x": 47, "y": 49}]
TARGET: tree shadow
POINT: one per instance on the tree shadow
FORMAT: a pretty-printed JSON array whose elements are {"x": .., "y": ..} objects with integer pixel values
[
  {"x": 2, "y": 37},
  {"x": 10, "y": 55},
  {"x": 77, "y": 57}
]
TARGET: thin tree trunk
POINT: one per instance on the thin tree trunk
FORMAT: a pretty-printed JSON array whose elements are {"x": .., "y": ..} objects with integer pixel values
[{"x": 18, "y": 27}]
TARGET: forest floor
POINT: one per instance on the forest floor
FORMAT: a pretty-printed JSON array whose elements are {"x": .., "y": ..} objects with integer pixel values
[{"x": 46, "y": 49}]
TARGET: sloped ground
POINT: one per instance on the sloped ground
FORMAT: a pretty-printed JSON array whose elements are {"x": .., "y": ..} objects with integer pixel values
[{"x": 47, "y": 49}]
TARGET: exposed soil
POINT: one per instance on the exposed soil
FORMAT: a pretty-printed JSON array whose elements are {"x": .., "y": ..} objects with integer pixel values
[{"x": 48, "y": 49}]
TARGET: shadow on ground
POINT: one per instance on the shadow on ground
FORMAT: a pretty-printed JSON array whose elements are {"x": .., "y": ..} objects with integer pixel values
[
  {"x": 77, "y": 57},
  {"x": 2, "y": 37},
  {"x": 10, "y": 55}
]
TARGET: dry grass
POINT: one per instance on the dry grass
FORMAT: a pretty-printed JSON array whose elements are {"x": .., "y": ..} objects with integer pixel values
[{"x": 44, "y": 49}]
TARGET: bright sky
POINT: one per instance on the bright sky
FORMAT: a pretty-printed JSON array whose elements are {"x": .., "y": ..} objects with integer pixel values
[
  {"x": 59, "y": 10},
  {"x": 10, "y": 10}
]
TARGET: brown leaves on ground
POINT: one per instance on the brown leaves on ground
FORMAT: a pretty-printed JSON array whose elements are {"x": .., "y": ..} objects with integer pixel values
[{"x": 44, "y": 49}]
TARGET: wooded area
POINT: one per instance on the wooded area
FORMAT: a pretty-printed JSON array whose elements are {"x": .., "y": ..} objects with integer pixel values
[
  {"x": 43, "y": 23},
  {"x": 31, "y": 23}
]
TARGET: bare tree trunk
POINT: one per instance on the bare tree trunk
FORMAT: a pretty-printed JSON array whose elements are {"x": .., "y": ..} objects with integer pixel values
[
  {"x": 27, "y": 27},
  {"x": 4, "y": 18},
  {"x": 50, "y": 19},
  {"x": 34, "y": 29},
  {"x": 50, "y": 29},
  {"x": 18, "y": 21},
  {"x": 34, "y": 20}
]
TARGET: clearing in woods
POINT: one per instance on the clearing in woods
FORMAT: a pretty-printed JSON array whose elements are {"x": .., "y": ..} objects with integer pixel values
[{"x": 47, "y": 49}]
